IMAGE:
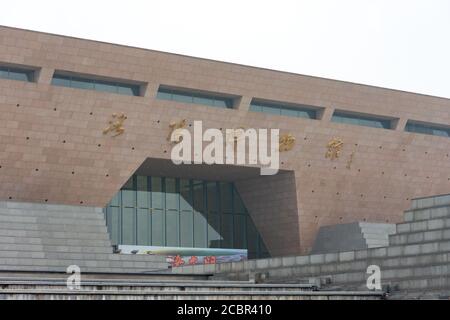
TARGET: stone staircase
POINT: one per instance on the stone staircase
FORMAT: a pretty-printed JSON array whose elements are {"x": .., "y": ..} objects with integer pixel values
[
  {"x": 352, "y": 236},
  {"x": 48, "y": 288},
  {"x": 49, "y": 238},
  {"x": 415, "y": 264},
  {"x": 39, "y": 241},
  {"x": 376, "y": 235}
]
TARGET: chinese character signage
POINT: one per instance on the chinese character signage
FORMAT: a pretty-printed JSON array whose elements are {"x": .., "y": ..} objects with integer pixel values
[{"x": 178, "y": 257}]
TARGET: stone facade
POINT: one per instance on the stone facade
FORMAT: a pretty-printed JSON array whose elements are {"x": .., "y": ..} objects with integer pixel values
[{"x": 52, "y": 148}]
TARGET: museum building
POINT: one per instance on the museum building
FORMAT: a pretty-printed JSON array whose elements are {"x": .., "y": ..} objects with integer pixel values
[{"x": 85, "y": 123}]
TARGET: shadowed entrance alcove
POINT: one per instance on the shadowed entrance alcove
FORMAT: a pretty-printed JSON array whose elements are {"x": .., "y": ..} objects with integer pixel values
[{"x": 237, "y": 207}]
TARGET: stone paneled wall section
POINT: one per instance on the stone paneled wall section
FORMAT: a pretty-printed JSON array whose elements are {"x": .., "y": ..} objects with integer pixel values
[
  {"x": 272, "y": 203},
  {"x": 52, "y": 147}
]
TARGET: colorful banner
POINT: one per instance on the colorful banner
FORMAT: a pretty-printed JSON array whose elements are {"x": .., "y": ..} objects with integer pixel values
[{"x": 178, "y": 256}]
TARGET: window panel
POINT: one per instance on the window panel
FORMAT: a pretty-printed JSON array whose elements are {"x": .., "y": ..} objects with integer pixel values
[
  {"x": 289, "y": 113},
  {"x": 214, "y": 231},
  {"x": 200, "y": 229},
  {"x": 187, "y": 229},
  {"x": 271, "y": 110},
  {"x": 199, "y": 196},
  {"x": 308, "y": 112},
  {"x": 3, "y": 73},
  {"x": 203, "y": 100},
  {"x": 186, "y": 96},
  {"x": 221, "y": 103},
  {"x": 430, "y": 129},
  {"x": 361, "y": 120},
  {"x": 105, "y": 86},
  {"x": 128, "y": 194},
  {"x": 81, "y": 83},
  {"x": 128, "y": 198},
  {"x": 186, "y": 203},
  {"x": 255, "y": 108},
  {"x": 157, "y": 227},
  {"x": 128, "y": 90},
  {"x": 182, "y": 98},
  {"x": 18, "y": 75},
  {"x": 164, "y": 95},
  {"x": 61, "y": 81},
  {"x": 87, "y": 83},
  {"x": 172, "y": 196},
  {"x": 172, "y": 229},
  {"x": 128, "y": 226},
  {"x": 211, "y": 189},
  {"x": 157, "y": 193},
  {"x": 143, "y": 193},
  {"x": 226, "y": 197},
  {"x": 143, "y": 227},
  {"x": 227, "y": 231}
]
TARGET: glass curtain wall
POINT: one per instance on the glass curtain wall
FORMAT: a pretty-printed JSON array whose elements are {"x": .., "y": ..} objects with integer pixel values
[{"x": 173, "y": 212}]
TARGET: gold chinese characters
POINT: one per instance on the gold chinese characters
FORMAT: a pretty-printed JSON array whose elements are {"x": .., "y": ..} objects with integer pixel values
[
  {"x": 350, "y": 161},
  {"x": 287, "y": 142},
  {"x": 174, "y": 126},
  {"x": 116, "y": 124},
  {"x": 334, "y": 148}
]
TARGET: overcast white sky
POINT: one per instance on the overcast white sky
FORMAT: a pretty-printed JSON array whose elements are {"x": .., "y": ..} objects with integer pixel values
[{"x": 399, "y": 44}]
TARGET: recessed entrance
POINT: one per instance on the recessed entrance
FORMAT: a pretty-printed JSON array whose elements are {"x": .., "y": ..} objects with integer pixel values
[{"x": 180, "y": 212}]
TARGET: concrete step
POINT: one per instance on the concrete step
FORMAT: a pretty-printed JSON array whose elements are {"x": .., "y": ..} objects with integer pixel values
[
  {"x": 20, "y": 233},
  {"x": 427, "y": 213},
  {"x": 431, "y": 201},
  {"x": 394, "y": 276},
  {"x": 431, "y": 285},
  {"x": 41, "y": 294},
  {"x": 376, "y": 236},
  {"x": 377, "y": 244},
  {"x": 61, "y": 264},
  {"x": 29, "y": 206},
  {"x": 82, "y": 255},
  {"x": 383, "y": 228},
  {"x": 426, "y": 225},
  {"x": 54, "y": 242},
  {"x": 76, "y": 221},
  {"x": 421, "y": 294},
  {"x": 417, "y": 278},
  {"x": 97, "y": 268},
  {"x": 420, "y": 237},
  {"x": 166, "y": 276},
  {"x": 377, "y": 241},
  {"x": 120, "y": 279},
  {"x": 54, "y": 227},
  {"x": 389, "y": 261},
  {"x": 93, "y": 215},
  {"x": 99, "y": 285},
  {"x": 44, "y": 249}
]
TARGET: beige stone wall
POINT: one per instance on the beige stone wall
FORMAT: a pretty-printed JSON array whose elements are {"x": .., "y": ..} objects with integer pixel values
[
  {"x": 272, "y": 203},
  {"x": 52, "y": 147}
]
